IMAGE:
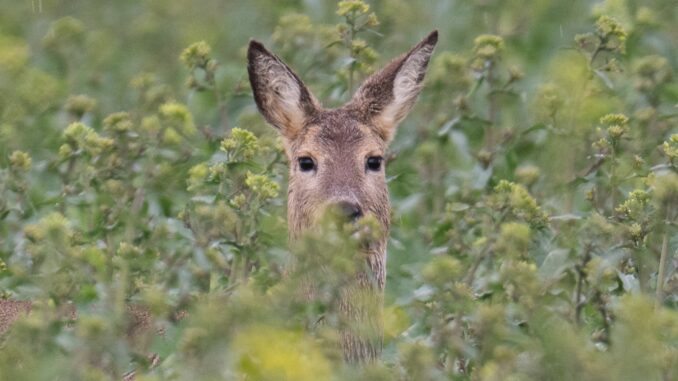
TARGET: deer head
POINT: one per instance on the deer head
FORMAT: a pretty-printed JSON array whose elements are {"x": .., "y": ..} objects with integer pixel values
[{"x": 336, "y": 156}]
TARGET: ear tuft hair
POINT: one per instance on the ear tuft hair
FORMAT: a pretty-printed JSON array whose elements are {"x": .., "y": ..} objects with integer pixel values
[{"x": 387, "y": 96}]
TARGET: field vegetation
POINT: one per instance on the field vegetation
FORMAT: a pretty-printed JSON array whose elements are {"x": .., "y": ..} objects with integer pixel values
[{"x": 534, "y": 190}]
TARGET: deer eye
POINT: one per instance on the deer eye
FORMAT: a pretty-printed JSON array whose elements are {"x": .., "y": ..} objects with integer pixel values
[
  {"x": 374, "y": 163},
  {"x": 306, "y": 164}
]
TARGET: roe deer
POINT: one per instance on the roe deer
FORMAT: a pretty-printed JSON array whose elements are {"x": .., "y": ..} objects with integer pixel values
[{"x": 336, "y": 159}]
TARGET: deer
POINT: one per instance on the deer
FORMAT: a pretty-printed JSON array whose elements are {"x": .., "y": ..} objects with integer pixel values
[{"x": 336, "y": 160}]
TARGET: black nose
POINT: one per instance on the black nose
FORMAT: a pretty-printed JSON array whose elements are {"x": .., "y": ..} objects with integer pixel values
[{"x": 349, "y": 210}]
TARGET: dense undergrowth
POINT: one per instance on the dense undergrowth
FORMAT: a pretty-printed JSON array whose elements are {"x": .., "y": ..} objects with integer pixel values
[{"x": 534, "y": 191}]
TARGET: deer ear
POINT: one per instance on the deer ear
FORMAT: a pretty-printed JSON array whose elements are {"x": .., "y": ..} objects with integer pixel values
[
  {"x": 385, "y": 98},
  {"x": 282, "y": 98}
]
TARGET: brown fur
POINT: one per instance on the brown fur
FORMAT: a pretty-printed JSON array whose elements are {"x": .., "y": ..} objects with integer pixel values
[
  {"x": 10, "y": 311},
  {"x": 340, "y": 141}
]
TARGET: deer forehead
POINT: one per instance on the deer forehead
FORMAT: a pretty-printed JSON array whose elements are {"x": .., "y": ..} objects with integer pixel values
[{"x": 336, "y": 138}]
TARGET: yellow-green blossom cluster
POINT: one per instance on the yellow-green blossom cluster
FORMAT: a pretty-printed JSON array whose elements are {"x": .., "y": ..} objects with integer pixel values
[
  {"x": 196, "y": 55},
  {"x": 610, "y": 36},
  {"x": 360, "y": 48},
  {"x": 119, "y": 122},
  {"x": 520, "y": 281},
  {"x": 81, "y": 137},
  {"x": 449, "y": 71},
  {"x": 635, "y": 205},
  {"x": 520, "y": 202},
  {"x": 357, "y": 20},
  {"x": 600, "y": 271},
  {"x": 53, "y": 227},
  {"x": 20, "y": 161},
  {"x": 646, "y": 17},
  {"x": 548, "y": 101},
  {"x": 239, "y": 201},
  {"x": 442, "y": 269},
  {"x": 666, "y": 189},
  {"x": 13, "y": 53},
  {"x": 197, "y": 175},
  {"x": 670, "y": 147},
  {"x": 617, "y": 126},
  {"x": 346, "y": 7},
  {"x": 128, "y": 250},
  {"x": 527, "y": 174},
  {"x": 79, "y": 105},
  {"x": 636, "y": 232},
  {"x": 651, "y": 71},
  {"x": 488, "y": 46},
  {"x": 46, "y": 97},
  {"x": 242, "y": 145},
  {"x": 368, "y": 230},
  {"x": 65, "y": 31},
  {"x": 612, "y": 33},
  {"x": 266, "y": 353},
  {"x": 177, "y": 116},
  {"x": 514, "y": 239},
  {"x": 262, "y": 186}
]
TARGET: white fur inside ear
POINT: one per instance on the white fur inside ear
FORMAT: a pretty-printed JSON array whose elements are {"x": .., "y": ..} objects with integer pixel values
[
  {"x": 281, "y": 94},
  {"x": 406, "y": 88}
]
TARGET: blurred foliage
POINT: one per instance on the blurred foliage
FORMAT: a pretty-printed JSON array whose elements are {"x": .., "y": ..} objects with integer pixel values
[{"x": 534, "y": 189}]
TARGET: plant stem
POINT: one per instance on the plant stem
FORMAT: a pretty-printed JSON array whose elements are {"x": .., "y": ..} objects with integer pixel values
[
  {"x": 581, "y": 274},
  {"x": 492, "y": 110},
  {"x": 470, "y": 277},
  {"x": 613, "y": 176},
  {"x": 351, "y": 68},
  {"x": 221, "y": 104},
  {"x": 659, "y": 296}
]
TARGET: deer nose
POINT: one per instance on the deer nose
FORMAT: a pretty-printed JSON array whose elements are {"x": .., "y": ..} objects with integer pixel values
[{"x": 351, "y": 211}]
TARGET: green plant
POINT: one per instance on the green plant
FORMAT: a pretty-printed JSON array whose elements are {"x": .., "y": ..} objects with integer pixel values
[{"x": 533, "y": 192}]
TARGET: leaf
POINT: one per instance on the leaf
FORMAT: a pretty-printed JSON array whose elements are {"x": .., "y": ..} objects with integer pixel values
[
  {"x": 629, "y": 282},
  {"x": 410, "y": 203},
  {"x": 348, "y": 61},
  {"x": 604, "y": 78},
  {"x": 373, "y": 32},
  {"x": 204, "y": 199},
  {"x": 335, "y": 42},
  {"x": 481, "y": 176},
  {"x": 555, "y": 264},
  {"x": 566, "y": 217},
  {"x": 424, "y": 293},
  {"x": 448, "y": 126},
  {"x": 458, "y": 207},
  {"x": 533, "y": 128},
  {"x": 393, "y": 178}
]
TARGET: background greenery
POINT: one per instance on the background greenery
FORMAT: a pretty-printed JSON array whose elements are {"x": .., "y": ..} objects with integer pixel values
[{"x": 534, "y": 191}]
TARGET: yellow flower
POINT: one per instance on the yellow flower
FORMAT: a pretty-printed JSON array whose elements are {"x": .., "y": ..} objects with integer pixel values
[
  {"x": 20, "y": 161},
  {"x": 196, "y": 55},
  {"x": 241, "y": 145},
  {"x": 118, "y": 122},
  {"x": 352, "y": 6},
  {"x": 262, "y": 186},
  {"x": 79, "y": 105},
  {"x": 488, "y": 46},
  {"x": 178, "y": 116},
  {"x": 267, "y": 353}
]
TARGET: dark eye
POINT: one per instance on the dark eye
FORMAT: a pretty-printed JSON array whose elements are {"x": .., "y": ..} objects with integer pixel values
[
  {"x": 306, "y": 164},
  {"x": 374, "y": 163}
]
